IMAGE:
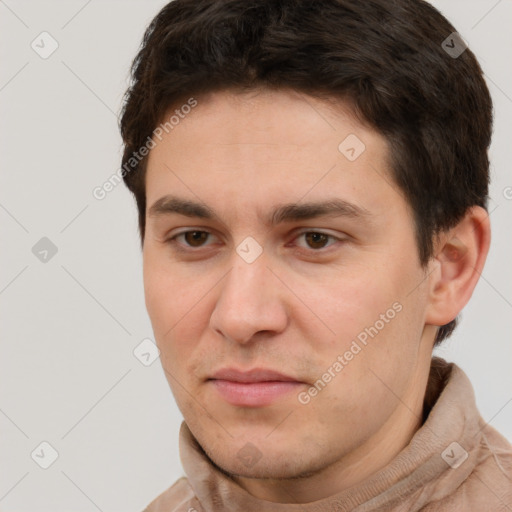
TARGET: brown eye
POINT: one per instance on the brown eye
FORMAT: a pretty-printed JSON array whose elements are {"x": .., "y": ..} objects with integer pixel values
[
  {"x": 316, "y": 240},
  {"x": 195, "y": 238}
]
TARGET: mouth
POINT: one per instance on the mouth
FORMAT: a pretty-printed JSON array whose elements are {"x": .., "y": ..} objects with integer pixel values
[{"x": 254, "y": 388}]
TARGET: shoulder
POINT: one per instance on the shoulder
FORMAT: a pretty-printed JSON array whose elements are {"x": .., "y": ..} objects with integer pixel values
[
  {"x": 489, "y": 486},
  {"x": 179, "y": 497},
  {"x": 492, "y": 476}
]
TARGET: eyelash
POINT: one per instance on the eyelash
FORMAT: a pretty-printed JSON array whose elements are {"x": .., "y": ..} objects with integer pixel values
[{"x": 172, "y": 241}]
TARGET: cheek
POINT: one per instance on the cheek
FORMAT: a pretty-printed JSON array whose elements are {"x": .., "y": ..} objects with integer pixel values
[
  {"x": 167, "y": 291},
  {"x": 160, "y": 303},
  {"x": 378, "y": 325},
  {"x": 353, "y": 302},
  {"x": 169, "y": 303},
  {"x": 179, "y": 307}
]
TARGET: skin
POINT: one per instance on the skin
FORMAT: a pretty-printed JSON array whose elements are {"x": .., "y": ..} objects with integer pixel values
[{"x": 302, "y": 302}]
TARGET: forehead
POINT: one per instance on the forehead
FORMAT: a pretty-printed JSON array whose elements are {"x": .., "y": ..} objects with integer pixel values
[
  {"x": 279, "y": 119},
  {"x": 271, "y": 146}
]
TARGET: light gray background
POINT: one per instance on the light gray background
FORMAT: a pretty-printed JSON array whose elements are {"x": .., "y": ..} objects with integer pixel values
[{"x": 69, "y": 326}]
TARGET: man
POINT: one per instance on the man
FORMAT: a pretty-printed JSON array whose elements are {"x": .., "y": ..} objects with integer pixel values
[{"x": 311, "y": 179}]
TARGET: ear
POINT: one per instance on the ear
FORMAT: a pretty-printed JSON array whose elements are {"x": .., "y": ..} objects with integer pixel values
[{"x": 460, "y": 257}]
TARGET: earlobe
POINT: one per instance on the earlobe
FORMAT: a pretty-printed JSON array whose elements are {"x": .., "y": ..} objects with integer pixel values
[{"x": 460, "y": 256}]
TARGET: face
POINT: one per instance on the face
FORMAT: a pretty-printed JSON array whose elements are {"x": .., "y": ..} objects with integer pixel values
[{"x": 333, "y": 299}]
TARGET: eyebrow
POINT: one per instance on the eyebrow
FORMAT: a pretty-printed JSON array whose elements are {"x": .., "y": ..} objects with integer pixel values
[{"x": 333, "y": 207}]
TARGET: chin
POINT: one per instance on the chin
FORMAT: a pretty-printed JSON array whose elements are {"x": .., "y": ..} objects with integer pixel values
[
  {"x": 267, "y": 467},
  {"x": 252, "y": 460}
]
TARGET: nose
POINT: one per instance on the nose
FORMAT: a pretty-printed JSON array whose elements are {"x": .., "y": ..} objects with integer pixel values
[{"x": 251, "y": 300}]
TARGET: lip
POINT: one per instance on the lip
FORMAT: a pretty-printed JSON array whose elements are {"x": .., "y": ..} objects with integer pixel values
[
  {"x": 254, "y": 375},
  {"x": 254, "y": 388}
]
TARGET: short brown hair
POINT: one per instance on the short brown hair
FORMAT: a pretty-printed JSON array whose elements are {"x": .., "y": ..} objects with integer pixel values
[{"x": 386, "y": 57}]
